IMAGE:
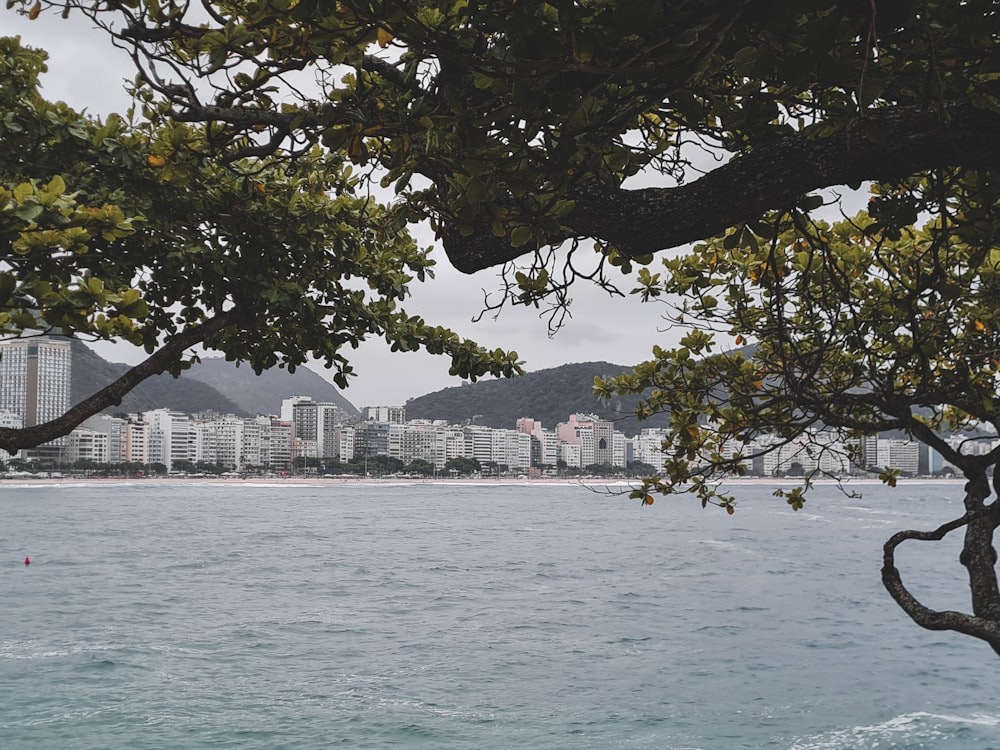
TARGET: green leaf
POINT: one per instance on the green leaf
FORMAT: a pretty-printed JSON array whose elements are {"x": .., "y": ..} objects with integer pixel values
[{"x": 521, "y": 236}]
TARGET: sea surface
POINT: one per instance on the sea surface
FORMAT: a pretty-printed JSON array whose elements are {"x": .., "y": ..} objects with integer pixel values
[{"x": 460, "y": 617}]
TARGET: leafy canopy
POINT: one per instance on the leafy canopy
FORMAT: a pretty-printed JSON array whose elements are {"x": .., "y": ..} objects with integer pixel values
[
  {"x": 850, "y": 326},
  {"x": 520, "y": 126},
  {"x": 120, "y": 230}
]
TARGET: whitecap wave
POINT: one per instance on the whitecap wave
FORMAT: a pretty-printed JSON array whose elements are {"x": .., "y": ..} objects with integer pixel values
[{"x": 911, "y": 729}]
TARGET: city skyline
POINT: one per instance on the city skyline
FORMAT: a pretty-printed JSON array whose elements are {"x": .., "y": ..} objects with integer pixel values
[{"x": 34, "y": 386}]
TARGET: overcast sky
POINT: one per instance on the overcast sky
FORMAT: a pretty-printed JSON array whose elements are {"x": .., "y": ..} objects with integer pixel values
[{"x": 88, "y": 73}]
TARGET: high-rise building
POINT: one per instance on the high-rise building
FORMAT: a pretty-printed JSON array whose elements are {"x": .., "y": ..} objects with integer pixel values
[
  {"x": 172, "y": 437},
  {"x": 387, "y": 414},
  {"x": 35, "y": 381}
]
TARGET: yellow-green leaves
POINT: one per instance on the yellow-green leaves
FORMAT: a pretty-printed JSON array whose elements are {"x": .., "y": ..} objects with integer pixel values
[
  {"x": 123, "y": 230},
  {"x": 532, "y": 288},
  {"x": 856, "y": 327},
  {"x": 521, "y": 235},
  {"x": 889, "y": 476}
]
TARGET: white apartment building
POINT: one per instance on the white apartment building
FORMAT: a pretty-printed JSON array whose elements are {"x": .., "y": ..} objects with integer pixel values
[
  {"x": 790, "y": 458},
  {"x": 288, "y": 406},
  {"x": 35, "y": 381},
  {"x": 172, "y": 437},
  {"x": 329, "y": 417},
  {"x": 252, "y": 446},
  {"x": 385, "y": 414},
  {"x": 135, "y": 442},
  {"x": 544, "y": 443},
  {"x": 438, "y": 442},
  {"x": 345, "y": 443},
  {"x": 421, "y": 439},
  {"x": 303, "y": 449},
  {"x": 35, "y": 378},
  {"x": 571, "y": 455},
  {"x": 511, "y": 449},
  {"x": 619, "y": 445},
  {"x": 114, "y": 428},
  {"x": 87, "y": 445},
  {"x": 315, "y": 422},
  {"x": 647, "y": 446},
  {"x": 225, "y": 442},
  {"x": 305, "y": 416},
  {"x": 900, "y": 454},
  {"x": 279, "y": 444},
  {"x": 596, "y": 438},
  {"x": 479, "y": 443},
  {"x": 548, "y": 447}
]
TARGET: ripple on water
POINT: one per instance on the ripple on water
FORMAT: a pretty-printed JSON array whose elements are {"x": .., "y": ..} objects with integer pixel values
[{"x": 463, "y": 618}]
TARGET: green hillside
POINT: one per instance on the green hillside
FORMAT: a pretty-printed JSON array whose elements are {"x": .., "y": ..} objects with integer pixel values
[
  {"x": 91, "y": 372},
  {"x": 212, "y": 385},
  {"x": 549, "y": 396}
]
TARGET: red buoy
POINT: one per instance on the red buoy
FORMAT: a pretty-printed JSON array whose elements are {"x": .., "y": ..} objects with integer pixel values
[{"x": 27, "y": 560}]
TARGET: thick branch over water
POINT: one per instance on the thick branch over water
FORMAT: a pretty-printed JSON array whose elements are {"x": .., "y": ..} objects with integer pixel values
[
  {"x": 13, "y": 440},
  {"x": 886, "y": 144}
]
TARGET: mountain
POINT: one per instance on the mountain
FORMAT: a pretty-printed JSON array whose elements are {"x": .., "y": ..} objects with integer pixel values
[
  {"x": 549, "y": 396},
  {"x": 91, "y": 372},
  {"x": 213, "y": 384},
  {"x": 263, "y": 394}
]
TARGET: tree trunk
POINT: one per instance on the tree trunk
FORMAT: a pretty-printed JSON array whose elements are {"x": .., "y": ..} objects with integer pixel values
[{"x": 979, "y": 558}]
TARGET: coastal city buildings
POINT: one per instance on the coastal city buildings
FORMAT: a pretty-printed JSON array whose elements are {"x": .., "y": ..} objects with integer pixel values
[
  {"x": 34, "y": 387},
  {"x": 266, "y": 443},
  {"x": 34, "y": 384}
]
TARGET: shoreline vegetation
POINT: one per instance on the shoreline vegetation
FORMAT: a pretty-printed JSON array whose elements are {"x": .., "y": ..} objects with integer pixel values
[{"x": 589, "y": 481}]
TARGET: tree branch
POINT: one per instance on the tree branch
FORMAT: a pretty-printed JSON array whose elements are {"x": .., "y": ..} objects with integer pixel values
[
  {"x": 983, "y": 626},
  {"x": 13, "y": 440},
  {"x": 889, "y": 143}
]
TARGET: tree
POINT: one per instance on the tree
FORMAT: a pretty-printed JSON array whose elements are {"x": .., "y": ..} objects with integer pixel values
[
  {"x": 381, "y": 464},
  {"x": 856, "y": 327},
  {"x": 334, "y": 466},
  {"x": 522, "y": 130},
  {"x": 309, "y": 463},
  {"x": 493, "y": 468},
  {"x": 462, "y": 466},
  {"x": 207, "y": 467},
  {"x": 640, "y": 469},
  {"x": 120, "y": 230},
  {"x": 527, "y": 120},
  {"x": 419, "y": 466}
]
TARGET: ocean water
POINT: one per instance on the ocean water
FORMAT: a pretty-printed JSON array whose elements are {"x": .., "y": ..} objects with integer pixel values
[{"x": 477, "y": 616}]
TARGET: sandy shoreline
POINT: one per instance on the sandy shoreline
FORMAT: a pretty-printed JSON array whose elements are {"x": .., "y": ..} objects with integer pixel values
[{"x": 484, "y": 481}]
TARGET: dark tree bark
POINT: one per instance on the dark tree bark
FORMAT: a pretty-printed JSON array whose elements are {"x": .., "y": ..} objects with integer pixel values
[
  {"x": 886, "y": 144},
  {"x": 979, "y": 558}
]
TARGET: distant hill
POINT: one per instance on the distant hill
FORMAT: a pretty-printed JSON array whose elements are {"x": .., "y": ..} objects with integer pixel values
[
  {"x": 264, "y": 393},
  {"x": 91, "y": 372},
  {"x": 214, "y": 384},
  {"x": 549, "y": 396}
]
